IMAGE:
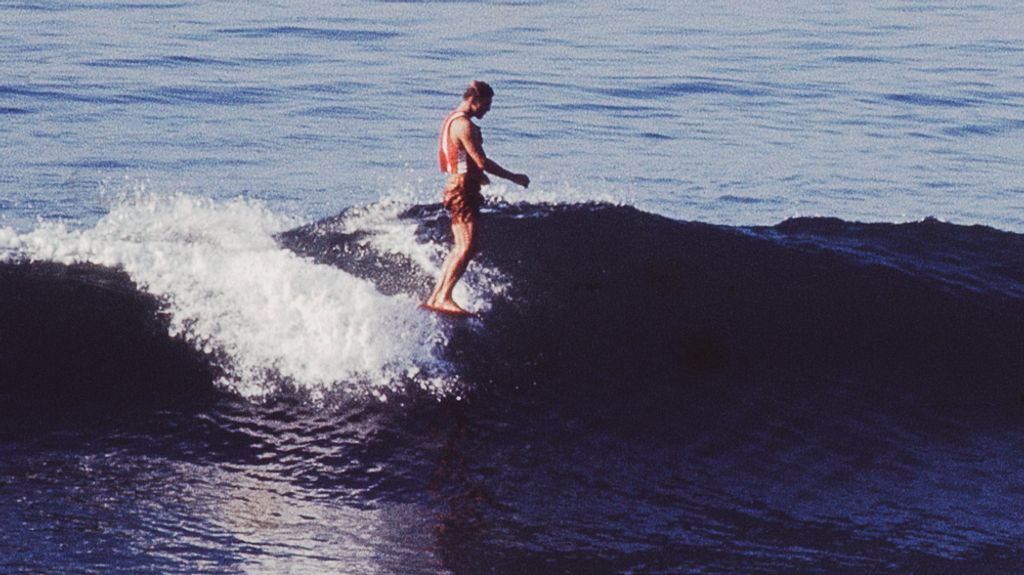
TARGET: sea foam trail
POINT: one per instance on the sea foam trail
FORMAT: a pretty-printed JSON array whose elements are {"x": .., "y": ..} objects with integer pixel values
[{"x": 228, "y": 288}]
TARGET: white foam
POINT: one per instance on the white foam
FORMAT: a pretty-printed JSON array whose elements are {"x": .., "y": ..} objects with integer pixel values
[
  {"x": 270, "y": 315},
  {"x": 566, "y": 194},
  {"x": 231, "y": 290}
]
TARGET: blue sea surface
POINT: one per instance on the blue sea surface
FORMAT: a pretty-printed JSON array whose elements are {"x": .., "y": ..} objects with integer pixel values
[
  {"x": 761, "y": 309},
  {"x": 720, "y": 112}
]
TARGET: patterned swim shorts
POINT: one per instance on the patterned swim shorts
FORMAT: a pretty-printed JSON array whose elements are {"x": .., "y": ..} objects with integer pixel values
[{"x": 462, "y": 198}]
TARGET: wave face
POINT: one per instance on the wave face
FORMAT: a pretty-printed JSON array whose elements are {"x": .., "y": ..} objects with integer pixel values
[
  {"x": 606, "y": 296},
  {"x": 582, "y": 298},
  {"x": 83, "y": 333}
]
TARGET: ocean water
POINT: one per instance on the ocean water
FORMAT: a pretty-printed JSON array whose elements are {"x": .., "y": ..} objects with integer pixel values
[{"x": 760, "y": 311}]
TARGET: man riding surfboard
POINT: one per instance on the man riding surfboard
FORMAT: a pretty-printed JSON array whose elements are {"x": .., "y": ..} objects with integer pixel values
[{"x": 461, "y": 155}]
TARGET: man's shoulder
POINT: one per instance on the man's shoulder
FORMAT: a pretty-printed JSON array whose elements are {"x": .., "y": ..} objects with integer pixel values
[{"x": 462, "y": 123}]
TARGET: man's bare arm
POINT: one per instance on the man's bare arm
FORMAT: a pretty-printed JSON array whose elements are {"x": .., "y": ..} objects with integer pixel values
[
  {"x": 463, "y": 131},
  {"x": 492, "y": 167}
]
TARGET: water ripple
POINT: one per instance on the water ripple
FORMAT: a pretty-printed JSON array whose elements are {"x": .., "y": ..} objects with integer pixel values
[{"x": 311, "y": 33}]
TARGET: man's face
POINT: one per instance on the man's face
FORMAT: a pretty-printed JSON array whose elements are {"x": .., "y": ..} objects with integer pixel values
[{"x": 481, "y": 107}]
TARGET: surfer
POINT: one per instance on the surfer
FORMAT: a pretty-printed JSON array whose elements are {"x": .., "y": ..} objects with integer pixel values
[{"x": 461, "y": 153}]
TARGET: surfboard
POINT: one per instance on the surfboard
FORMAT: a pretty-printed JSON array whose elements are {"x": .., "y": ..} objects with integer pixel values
[{"x": 448, "y": 312}]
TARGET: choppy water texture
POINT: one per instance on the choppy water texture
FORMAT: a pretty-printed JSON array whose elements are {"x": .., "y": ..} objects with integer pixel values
[
  {"x": 760, "y": 311},
  {"x": 722, "y": 112}
]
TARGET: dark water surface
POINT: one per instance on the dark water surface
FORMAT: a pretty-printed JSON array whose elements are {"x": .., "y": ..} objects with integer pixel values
[{"x": 807, "y": 404}]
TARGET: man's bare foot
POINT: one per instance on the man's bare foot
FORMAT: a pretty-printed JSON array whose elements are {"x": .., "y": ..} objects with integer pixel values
[{"x": 448, "y": 308}]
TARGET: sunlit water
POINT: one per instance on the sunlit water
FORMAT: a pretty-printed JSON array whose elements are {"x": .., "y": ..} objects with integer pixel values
[{"x": 720, "y": 112}]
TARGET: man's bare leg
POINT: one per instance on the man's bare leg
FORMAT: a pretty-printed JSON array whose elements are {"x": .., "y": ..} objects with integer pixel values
[{"x": 454, "y": 266}]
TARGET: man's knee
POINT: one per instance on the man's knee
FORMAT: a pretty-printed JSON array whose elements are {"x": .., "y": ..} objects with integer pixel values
[
  {"x": 465, "y": 249},
  {"x": 464, "y": 232}
]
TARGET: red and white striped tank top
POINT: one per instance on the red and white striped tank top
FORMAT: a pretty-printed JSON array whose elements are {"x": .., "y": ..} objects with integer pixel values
[{"x": 451, "y": 156}]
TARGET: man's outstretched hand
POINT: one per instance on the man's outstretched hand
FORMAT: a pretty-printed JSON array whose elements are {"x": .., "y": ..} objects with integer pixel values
[{"x": 521, "y": 179}]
